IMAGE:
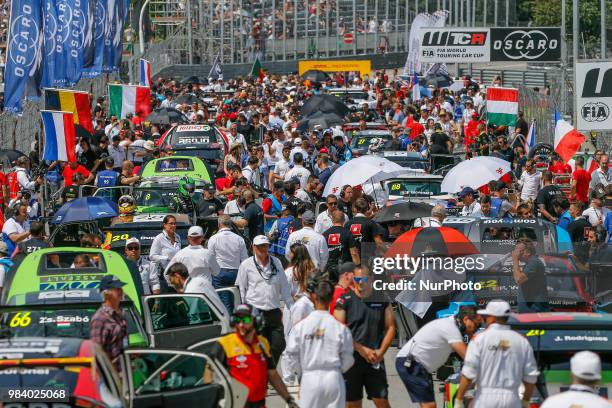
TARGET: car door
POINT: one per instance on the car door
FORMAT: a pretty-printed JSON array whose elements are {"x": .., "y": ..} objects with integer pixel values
[
  {"x": 178, "y": 378},
  {"x": 179, "y": 320},
  {"x": 232, "y": 293}
]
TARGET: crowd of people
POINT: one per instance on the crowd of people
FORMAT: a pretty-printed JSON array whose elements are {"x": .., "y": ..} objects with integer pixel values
[{"x": 305, "y": 264}]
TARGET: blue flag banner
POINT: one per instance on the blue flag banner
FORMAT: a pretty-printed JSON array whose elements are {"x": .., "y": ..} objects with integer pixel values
[
  {"x": 23, "y": 72},
  {"x": 101, "y": 25},
  {"x": 88, "y": 40},
  {"x": 49, "y": 48},
  {"x": 77, "y": 12},
  {"x": 113, "y": 44}
]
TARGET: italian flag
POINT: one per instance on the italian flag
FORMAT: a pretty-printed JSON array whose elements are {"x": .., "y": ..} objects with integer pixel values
[
  {"x": 502, "y": 106},
  {"x": 126, "y": 99}
]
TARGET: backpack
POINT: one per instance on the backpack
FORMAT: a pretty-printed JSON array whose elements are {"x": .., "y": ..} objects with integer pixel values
[{"x": 283, "y": 226}]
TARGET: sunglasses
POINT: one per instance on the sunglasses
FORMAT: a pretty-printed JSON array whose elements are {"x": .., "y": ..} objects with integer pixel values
[
  {"x": 133, "y": 248},
  {"x": 360, "y": 279},
  {"x": 171, "y": 223},
  {"x": 243, "y": 319},
  {"x": 333, "y": 203}
]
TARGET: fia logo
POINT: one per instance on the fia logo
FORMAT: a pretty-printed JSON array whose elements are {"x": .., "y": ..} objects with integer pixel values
[{"x": 595, "y": 112}]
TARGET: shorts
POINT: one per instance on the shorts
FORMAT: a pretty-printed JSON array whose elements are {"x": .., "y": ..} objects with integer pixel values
[
  {"x": 363, "y": 374},
  {"x": 417, "y": 380}
]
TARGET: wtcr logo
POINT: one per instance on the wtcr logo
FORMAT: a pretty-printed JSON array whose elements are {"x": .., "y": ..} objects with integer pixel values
[{"x": 454, "y": 38}]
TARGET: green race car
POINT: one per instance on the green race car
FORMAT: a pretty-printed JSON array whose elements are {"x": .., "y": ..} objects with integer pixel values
[
  {"x": 155, "y": 195},
  {"x": 176, "y": 166}
]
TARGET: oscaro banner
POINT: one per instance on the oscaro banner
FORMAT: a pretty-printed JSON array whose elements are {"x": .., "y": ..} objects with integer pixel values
[
  {"x": 490, "y": 44},
  {"x": 594, "y": 95}
]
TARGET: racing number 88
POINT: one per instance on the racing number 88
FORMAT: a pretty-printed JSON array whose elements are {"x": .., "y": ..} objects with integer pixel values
[
  {"x": 395, "y": 186},
  {"x": 21, "y": 320}
]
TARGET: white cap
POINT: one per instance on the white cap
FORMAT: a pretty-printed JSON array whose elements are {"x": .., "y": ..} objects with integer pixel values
[
  {"x": 195, "y": 231},
  {"x": 586, "y": 365},
  {"x": 261, "y": 240},
  {"x": 149, "y": 145},
  {"x": 132, "y": 240},
  {"x": 297, "y": 141},
  {"x": 497, "y": 308}
]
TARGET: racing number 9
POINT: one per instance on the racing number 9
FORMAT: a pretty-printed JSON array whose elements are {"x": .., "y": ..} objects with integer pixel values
[{"x": 20, "y": 320}]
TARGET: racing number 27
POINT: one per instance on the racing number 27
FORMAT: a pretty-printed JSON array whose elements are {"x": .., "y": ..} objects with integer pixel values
[{"x": 21, "y": 320}]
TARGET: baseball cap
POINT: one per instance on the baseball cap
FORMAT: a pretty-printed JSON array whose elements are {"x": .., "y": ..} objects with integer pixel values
[
  {"x": 309, "y": 217},
  {"x": 210, "y": 188},
  {"x": 586, "y": 365},
  {"x": 3, "y": 248},
  {"x": 500, "y": 185},
  {"x": 323, "y": 150},
  {"x": 110, "y": 282},
  {"x": 497, "y": 308},
  {"x": 346, "y": 267},
  {"x": 110, "y": 161},
  {"x": 132, "y": 240},
  {"x": 261, "y": 240},
  {"x": 466, "y": 191},
  {"x": 297, "y": 142},
  {"x": 195, "y": 231},
  {"x": 149, "y": 145}
]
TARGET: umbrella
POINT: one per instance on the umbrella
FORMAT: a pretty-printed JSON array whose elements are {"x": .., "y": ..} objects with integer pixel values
[
  {"x": 474, "y": 173},
  {"x": 324, "y": 103},
  {"x": 439, "y": 240},
  {"x": 403, "y": 211},
  {"x": 8, "y": 156},
  {"x": 166, "y": 116},
  {"x": 314, "y": 75},
  {"x": 361, "y": 170},
  {"x": 325, "y": 120},
  {"x": 85, "y": 209},
  {"x": 188, "y": 99},
  {"x": 192, "y": 80}
]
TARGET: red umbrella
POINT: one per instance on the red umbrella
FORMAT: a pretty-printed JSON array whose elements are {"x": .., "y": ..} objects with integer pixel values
[{"x": 439, "y": 240}]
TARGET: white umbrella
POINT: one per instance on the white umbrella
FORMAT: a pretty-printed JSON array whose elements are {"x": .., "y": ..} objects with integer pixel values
[
  {"x": 474, "y": 173},
  {"x": 371, "y": 169}
]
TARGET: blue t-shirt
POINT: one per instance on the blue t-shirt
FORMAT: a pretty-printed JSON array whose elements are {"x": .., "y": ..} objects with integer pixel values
[
  {"x": 565, "y": 220},
  {"x": 608, "y": 226}
]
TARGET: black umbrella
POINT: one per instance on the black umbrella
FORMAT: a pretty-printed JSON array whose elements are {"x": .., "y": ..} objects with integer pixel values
[
  {"x": 403, "y": 211},
  {"x": 188, "y": 99},
  {"x": 314, "y": 75},
  {"x": 166, "y": 116},
  {"x": 193, "y": 80},
  {"x": 325, "y": 120},
  {"x": 324, "y": 103},
  {"x": 8, "y": 156}
]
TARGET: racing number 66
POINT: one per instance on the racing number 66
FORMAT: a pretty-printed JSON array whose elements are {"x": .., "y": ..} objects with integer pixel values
[{"x": 21, "y": 320}]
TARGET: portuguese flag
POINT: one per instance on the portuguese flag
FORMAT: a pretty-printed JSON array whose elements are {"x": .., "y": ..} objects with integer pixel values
[
  {"x": 124, "y": 99},
  {"x": 502, "y": 106},
  {"x": 257, "y": 71}
]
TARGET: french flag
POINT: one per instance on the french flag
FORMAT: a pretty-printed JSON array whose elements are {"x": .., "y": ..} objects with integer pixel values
[
  {"x": 59, "y": 136},
  {"x": 145, "y": 73},
  {"x": 530, "y": 138},
  {"x": 416, "y": 88},
  {"x": 567, "y": 138}
]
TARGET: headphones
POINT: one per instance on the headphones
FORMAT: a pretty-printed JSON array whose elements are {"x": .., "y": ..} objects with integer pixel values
[
  {"x": 343, "y": 191},
  {"x": 258, "y": 321},
  {"x": 600, "y": 233},
  {"x": 312, "y": 283}
]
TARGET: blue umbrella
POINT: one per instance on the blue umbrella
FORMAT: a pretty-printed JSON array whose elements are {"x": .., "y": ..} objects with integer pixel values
[{"x": 85, "y": 209}]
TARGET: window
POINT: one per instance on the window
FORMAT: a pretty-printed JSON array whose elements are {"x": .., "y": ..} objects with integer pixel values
[
  {"x": 179, "y": 311},
  {"x": 72, "y": 260},
  {"x": 174, "y": 164},
  {"x": 158, "y": 372}
]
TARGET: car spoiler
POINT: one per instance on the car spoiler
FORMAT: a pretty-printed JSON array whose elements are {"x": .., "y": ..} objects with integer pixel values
[{"x": 563, "y": 321}]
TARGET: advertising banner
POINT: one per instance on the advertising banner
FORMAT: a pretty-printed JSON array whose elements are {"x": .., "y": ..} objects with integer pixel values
[
  {"x": 489, "y": 44},
  {"x": 594, "y": 95}
]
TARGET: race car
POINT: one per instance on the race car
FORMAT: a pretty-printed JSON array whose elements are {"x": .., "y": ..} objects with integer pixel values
[
  {"x": 203, "y": 141},
  {"x": 78, "y": 373},
  {"x": 415, "y": 186},
  {"x": 409, "y": 160},
  {"x": 555, "y": 338},
  {"x": 69, "y": 268},
  {"x": 145, "y": 227},
  {"x": 354, "y": 98},
  {"x": 364, "y": 141},
  {"x": 350, "y": 129},
  {"x": 155, "y": 195},
  {"x": 176, "y": 166}
]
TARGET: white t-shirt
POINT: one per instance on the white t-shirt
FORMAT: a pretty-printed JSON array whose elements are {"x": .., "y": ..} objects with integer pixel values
[
  {"x": 11, "y": 226},
  {"x": 301, "y": 173},
  {"x": 281, "y": 168},
  {"x": 431, "y": 346}
]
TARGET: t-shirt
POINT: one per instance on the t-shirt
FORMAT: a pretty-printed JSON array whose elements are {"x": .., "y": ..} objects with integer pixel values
[
  {"x": 209, "y": 207},
  {"x": 339, "y": 242},
  {"x": 439, "y": 142},
  {"x": 579, "y": 229},
  {"x": 363, "y": 230},
  {"x": 546, "y": 196},
  {"x": 338, "y": 291},
  {"x": 3, "y": 182},
  {"x": 582, "y": 178},
  {"x": 366, "y": 320},
  {"x": 534, "y": 290},
  {"x": 69, "y": 172},
  {"x": 253, "y": 214},
  {"x": 431, "y": 345}
]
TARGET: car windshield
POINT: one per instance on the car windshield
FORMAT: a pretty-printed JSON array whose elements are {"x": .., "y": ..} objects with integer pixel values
[
  {"x": 360, "y": 142},
  {"x": 174, "y": 164},
  {"x": 72, "y": 260},
  {"x": 352, "y": 95},
  {"x": 502, "y": 239},
  {"x": 151, "y": 197},
  {"x": 414, "y": 188},
  {"x": 57, "y": 323}
]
